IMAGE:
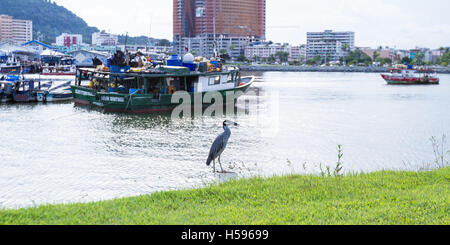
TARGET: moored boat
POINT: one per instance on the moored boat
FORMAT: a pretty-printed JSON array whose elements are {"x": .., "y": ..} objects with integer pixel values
[
  {"x": 411, "y": 76},
  {"x": 26, "y": 90},
  {"x": 14, "y": 66},
  {"x": 152, "y": 90},
  {"x": 56, "y": 93}
]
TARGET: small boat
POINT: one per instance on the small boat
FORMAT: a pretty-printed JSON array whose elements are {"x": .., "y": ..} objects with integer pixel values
[
  {"x": 26, "y": 90},
  {"x": 56, "y": 93},
  {"x": 411, "y": 76},
  {"x": 13, "y": 66}
]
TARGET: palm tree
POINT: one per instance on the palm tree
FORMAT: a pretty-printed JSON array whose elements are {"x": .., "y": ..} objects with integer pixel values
[{"x": 345, "y": 47}]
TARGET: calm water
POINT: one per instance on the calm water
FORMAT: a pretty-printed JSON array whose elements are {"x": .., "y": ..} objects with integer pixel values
[{"x": 58, "y": 153}]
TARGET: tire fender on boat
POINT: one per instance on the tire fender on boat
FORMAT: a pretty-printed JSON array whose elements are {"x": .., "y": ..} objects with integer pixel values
[{"x": 172, "y": 90}]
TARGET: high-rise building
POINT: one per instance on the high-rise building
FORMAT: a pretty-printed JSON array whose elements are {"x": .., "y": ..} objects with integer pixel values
[
  {"x": 15, "y": 30},
  {"x": 329, "y": 45},
  {"x": 202, "y": 25}
]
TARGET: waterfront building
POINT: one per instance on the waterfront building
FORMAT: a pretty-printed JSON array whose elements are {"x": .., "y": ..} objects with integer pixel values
[
  {"x": 329, "y": 45},
  {"x": 84, "y": 57},
  {"x": 427, "y": 54},
  {"x": 104, "y": 39},
  {"x": 437, "y": 53},
  {"x": 68, "y": 40},
  {"x": 386, "y": 53},
  {"x": 15, "y": 30},
  {"x": 207, "y": 25},
  {"x": 264, "y": 51}
]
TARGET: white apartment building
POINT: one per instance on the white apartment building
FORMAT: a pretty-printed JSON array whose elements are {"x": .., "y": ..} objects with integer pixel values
[
  {"x": 15, "y": 30},
  {"x": 68, "y": 40},
  {"x": 264, "y": 51},
  {"x": 104, "y": 39},
  {"x": 329, "y": 45}
]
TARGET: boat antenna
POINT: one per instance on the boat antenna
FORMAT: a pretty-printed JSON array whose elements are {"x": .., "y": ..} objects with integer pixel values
[
  {"x": 150, "y": 33},
  {"x": 214, "y": 30},
  {"x": 126, "y": 40}
]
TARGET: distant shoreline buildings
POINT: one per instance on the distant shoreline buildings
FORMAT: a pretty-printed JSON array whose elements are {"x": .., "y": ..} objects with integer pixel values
[{"x": 235, "y": 29}]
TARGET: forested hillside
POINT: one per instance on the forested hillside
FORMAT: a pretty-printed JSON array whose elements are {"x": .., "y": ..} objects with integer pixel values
[{"x": 49, "y": 19}]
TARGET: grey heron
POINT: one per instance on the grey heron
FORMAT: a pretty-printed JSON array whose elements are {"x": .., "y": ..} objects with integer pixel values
[{"x": 219, "y": 145}]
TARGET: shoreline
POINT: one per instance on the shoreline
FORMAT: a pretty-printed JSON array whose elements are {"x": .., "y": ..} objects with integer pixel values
[
  {"x": 360, "y": 69},
  {"x": 384, "y": 197}
]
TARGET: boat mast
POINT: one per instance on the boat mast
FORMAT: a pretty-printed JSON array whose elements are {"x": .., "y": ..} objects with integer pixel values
[{"x": 214, "y": 30}]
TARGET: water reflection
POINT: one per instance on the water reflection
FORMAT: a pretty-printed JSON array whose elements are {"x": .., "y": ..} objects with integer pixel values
[{"x": 59, "y": 153}]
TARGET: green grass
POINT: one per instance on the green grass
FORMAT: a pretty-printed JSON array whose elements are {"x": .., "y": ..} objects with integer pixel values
[{"x": 387, "y": 197}]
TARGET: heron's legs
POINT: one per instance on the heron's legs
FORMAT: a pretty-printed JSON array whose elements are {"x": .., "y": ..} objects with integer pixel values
[
  {"x": 221, "y": 165},
  {"x": 214, "y": 166}
]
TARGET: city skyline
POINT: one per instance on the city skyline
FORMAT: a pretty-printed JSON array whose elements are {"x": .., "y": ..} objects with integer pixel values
[{"x": 376, "y": 23}]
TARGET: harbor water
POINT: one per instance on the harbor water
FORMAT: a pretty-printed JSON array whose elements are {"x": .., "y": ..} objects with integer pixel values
[{"x": 291, "y": 123}]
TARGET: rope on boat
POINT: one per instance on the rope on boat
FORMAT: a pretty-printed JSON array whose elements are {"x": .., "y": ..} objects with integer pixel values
[{"x": 129, "y": 100}]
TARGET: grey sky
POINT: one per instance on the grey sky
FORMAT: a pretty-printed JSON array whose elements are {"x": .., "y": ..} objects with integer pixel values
[{"x": 394, "y": 23}]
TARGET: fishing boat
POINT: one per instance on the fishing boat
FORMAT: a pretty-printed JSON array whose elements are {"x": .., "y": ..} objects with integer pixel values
[
  {"x": 137, "y": 90},
  {"x": 14, "y": 68},
  {"x": 65, "y": 67},
  {"x": 19, "y": 89},
  {"x": 26, "y": 90},
  {"x": 405, "y": 76},
  {"x": 56, "y": 93}
]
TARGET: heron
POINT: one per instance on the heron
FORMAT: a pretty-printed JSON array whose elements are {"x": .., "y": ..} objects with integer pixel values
[{"x": 219, "y": 145}]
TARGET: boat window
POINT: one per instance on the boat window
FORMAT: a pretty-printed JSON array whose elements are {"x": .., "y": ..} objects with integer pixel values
[{"x": 214, "y": 80}]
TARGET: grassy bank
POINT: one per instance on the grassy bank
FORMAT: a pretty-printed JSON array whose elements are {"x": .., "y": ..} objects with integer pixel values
[{"x": 377, "y": 198}]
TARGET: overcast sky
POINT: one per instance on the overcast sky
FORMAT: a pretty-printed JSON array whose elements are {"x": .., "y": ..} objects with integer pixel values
[{"x": 394, "y": 23}]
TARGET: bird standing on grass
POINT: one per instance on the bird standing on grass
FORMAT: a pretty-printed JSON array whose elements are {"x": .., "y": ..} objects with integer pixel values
[{"x": 219, "y": 145}]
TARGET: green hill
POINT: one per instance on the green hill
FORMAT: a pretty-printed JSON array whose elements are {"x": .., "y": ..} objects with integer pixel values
[{"x": 49, "y": 19}]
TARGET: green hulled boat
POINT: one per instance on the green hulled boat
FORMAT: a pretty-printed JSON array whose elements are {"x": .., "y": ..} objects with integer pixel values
[{"x": 154, "y": 90}]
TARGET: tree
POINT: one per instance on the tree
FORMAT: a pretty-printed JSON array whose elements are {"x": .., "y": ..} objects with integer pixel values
[
  {"x": 314, "y": 61},
  {"x": 376, "y": 54},
  {"x": 384, "y": 61},
  {"x": 164, "y": 42},
  {"x": 242, "y": 58},
  {"x": 406, "y": 60},
  {"x": 418, "y": 59},
  {"x": 223, "y": 51},
  {"x": 225, "y": 56},
  {"x": 445, "y": 59},
  {"x": 272, "y": 59},
  {"x": 358, "y": 57},
  {"x": 283, "y": 56}
]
